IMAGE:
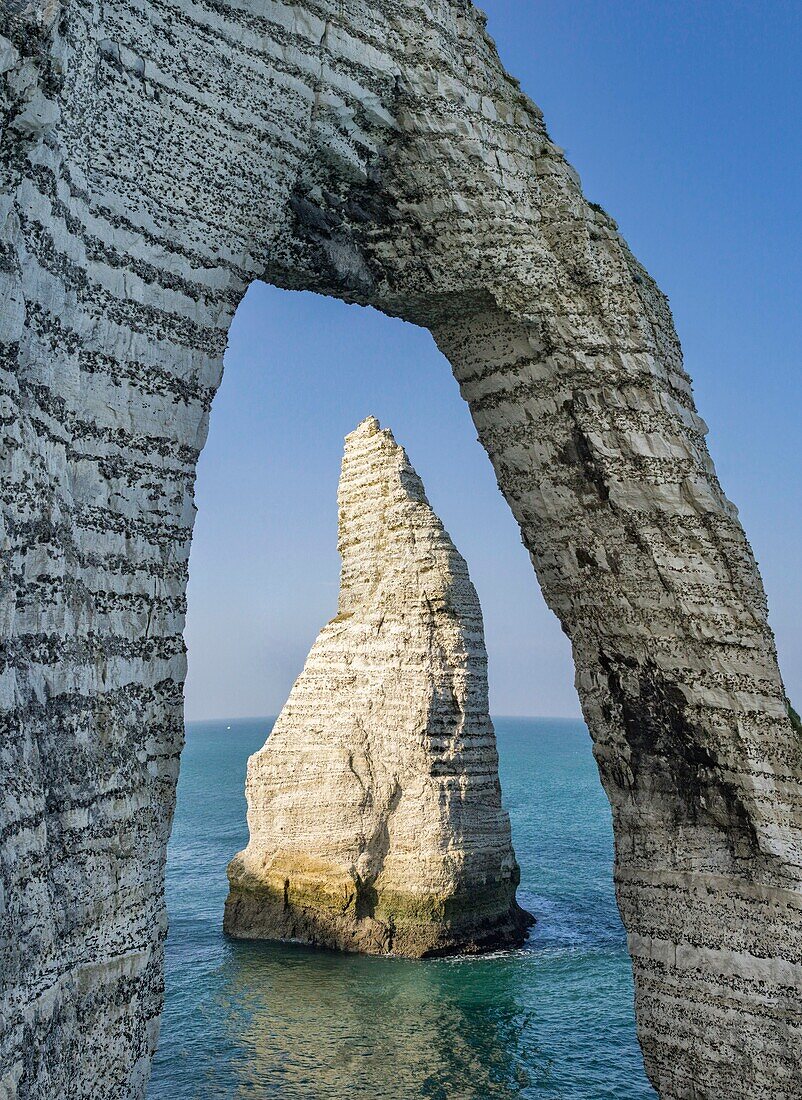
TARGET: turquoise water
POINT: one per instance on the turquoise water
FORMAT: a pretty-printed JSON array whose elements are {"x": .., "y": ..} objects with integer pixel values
[{"x": 554, "y": 1019}]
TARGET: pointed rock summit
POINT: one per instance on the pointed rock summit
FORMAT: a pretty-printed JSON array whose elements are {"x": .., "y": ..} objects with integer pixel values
[{"x": 374, "y": 809}]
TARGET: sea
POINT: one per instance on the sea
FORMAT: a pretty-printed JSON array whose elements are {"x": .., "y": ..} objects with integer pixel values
[{"x": 552, "y": 1019}]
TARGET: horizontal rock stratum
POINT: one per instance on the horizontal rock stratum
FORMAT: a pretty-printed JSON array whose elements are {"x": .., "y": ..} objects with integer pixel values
[
  {"x": 158, "y": 158},
  {"x": 374, "y": 809}
]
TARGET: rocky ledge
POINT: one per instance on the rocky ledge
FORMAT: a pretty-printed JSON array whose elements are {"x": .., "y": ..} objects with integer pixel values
[{"x": 374, "y": 809}]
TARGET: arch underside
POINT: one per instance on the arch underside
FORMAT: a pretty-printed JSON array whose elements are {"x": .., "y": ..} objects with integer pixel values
[{"x": 157, "y": 159}]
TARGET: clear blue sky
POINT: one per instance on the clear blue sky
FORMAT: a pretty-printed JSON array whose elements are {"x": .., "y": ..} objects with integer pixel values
[{"x": 684, "y": 121}]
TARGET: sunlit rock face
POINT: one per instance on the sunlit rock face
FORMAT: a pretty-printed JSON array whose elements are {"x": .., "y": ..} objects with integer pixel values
[
  {"x": 156, "y": 159},
  {"x": 374, "y": 809}
]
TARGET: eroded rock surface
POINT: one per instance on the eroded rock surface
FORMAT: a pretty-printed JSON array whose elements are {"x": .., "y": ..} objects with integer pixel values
[
  {"x": 158, "y": 157},
  {"x": 374, "y": 809}
]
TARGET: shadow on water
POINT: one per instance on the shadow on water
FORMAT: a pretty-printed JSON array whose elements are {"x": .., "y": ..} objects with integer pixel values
[{"x": 553, "y": 1019}]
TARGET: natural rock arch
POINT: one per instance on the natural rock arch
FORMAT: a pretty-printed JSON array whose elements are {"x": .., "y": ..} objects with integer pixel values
[{"x": 156, "y": 159}]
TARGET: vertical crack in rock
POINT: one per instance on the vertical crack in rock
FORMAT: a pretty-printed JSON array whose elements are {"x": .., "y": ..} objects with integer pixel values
[{"x": 374, "y": 809}]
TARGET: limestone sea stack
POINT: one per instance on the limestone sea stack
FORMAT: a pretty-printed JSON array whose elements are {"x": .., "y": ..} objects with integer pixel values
[{"x": 374, "y": 809}]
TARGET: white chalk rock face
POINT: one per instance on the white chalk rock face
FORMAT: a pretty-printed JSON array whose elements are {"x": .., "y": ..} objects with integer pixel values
[
  {"x": 375, "y": 809},
  {"x": 157, "y": 160}
]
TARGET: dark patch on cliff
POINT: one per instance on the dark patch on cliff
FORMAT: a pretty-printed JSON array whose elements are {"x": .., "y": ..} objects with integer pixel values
[
  {"x": 669, "y": 756},
  {"x": 336, "y": 225},
  {"x": 578, "y": 453}
]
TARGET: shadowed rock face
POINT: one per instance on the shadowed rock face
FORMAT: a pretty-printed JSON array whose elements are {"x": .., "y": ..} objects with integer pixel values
[
  {"x": 375, "y": 808},
  {"x": 156, "y": 159}
]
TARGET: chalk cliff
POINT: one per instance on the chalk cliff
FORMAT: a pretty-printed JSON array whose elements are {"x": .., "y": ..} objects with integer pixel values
[
  {"x": 156, "y": 159},
  {"x": 375, "y": 808}
]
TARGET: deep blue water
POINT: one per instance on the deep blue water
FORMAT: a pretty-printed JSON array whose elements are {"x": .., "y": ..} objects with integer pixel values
[{"x": 553, "y": 1019}]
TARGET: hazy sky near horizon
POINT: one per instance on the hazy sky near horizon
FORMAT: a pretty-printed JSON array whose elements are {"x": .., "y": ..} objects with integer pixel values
[{"x": 684, "y": 121}]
